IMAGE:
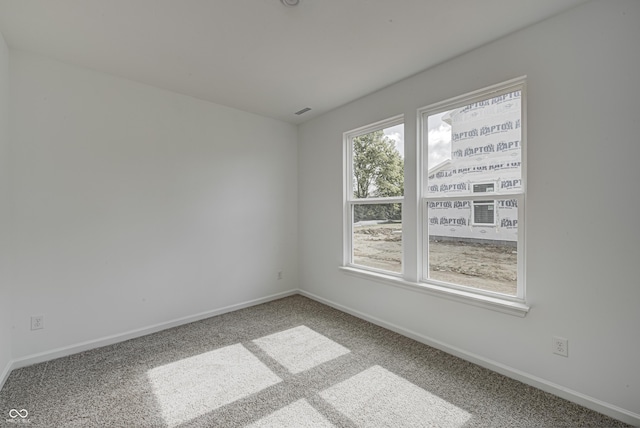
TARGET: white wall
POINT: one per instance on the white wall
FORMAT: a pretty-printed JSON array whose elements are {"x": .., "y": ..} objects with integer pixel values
[
  {"x": 136, "y": 206},
  {"x": 5, "y": 285},
  {"x": 582, "y": 213}
]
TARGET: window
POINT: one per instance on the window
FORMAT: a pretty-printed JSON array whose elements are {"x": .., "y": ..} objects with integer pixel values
[
  {"x": 483, "y": 211},
  {"x": 483, "y": 187},
  {"x": 374, "y": 193},
  {"x": 472, "y": 147},
  {"x": 465, "y": 212}
]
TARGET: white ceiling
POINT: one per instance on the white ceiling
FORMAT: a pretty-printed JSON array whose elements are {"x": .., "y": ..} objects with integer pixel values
[{"x": 258, "y": 55}]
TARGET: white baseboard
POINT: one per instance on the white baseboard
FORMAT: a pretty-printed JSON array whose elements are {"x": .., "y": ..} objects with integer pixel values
[
  {"x": 555, "y": 389},
  {"x": 550, "y": 387},
  {"x": 121, "y": 337}
]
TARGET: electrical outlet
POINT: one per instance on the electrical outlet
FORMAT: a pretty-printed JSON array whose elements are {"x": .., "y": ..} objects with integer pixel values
[
  {"x": 560, "y": 346},
  {"x": 279, "y": 275},
  {"x": 37, "y": 322}
]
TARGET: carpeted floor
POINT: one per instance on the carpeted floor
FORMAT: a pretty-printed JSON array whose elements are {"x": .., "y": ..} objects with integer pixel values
[{"x": 292, "y": 362}]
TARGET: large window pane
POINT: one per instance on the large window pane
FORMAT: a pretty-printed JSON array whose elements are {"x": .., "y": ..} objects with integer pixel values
[
  {"x": 463, "y": 251},
  {"x": 377, "y": 236},
  {"x": 378, "y": 163},
  {"x": 473, "y": 180},
  {"x": 476, "y": 148}
]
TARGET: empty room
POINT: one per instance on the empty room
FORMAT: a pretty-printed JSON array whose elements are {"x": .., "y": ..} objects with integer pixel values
[{"x": 319, "y": 213}]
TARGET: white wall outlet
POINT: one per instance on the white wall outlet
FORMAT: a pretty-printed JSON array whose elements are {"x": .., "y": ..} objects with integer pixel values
[
  {"x": 560, "y": 346},
  {"x": 280, "y": 274},
  {"x": 37, "y": 322}
]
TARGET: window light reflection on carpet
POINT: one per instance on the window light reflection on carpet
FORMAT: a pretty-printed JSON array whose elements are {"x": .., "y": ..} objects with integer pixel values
[
  {"x": 300, "y": 348},
  {"x": 193, "y": 386},
  {"x": 376, "y": 394}
]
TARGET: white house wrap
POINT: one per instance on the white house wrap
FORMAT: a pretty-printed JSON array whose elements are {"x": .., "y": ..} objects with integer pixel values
[{"x": 485, "y": 158}]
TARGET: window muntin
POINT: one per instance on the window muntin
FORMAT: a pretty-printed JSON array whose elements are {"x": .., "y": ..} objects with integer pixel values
[
  {"x": 374, "y": 192},
  {"x": 472, "y": 147}
]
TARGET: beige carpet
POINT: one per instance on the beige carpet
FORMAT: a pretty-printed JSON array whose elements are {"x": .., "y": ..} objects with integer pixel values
[{"x": 288, "y": 363}]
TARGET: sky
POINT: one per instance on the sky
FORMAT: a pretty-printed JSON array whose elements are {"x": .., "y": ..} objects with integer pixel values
[
  {"x": 396, "y": 133},
  {"x": 439, "y": 138}
]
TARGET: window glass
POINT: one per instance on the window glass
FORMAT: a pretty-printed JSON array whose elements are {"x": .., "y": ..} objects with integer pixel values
[
  {"x": 378, "y": 163},
  {"x": 377, "y": 236},
  {"x": 474, "y": 150},
  {"x": 373, "y": 217},
  {"x": 476, "y": 143}
]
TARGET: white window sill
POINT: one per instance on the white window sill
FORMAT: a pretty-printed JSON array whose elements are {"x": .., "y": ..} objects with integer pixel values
[{"x": 511, "y": 307}]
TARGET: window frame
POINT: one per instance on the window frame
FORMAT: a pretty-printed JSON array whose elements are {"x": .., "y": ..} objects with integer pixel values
[
  {"x": 414, "y": 221},
  {"x": 423, "y": 177},
  {"x": 349, "y": 201}
]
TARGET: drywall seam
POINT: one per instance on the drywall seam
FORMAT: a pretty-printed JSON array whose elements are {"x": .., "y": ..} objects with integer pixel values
[{"x": 529, "y": 379}]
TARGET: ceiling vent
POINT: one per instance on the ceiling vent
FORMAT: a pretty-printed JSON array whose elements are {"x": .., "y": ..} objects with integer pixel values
[{"x": 304, "y": 110}]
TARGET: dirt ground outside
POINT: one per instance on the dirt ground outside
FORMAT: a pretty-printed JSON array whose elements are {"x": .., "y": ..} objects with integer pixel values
[{"x": 489, "y": 267}]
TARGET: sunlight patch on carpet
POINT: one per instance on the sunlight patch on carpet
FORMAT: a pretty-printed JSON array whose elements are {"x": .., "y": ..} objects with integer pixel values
[
  {"x": 300, "y": 348},
  {"x": 295, "y": 415},
  {"x": 376, "y": 395},
  {"x": 191, "y": 387}
]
